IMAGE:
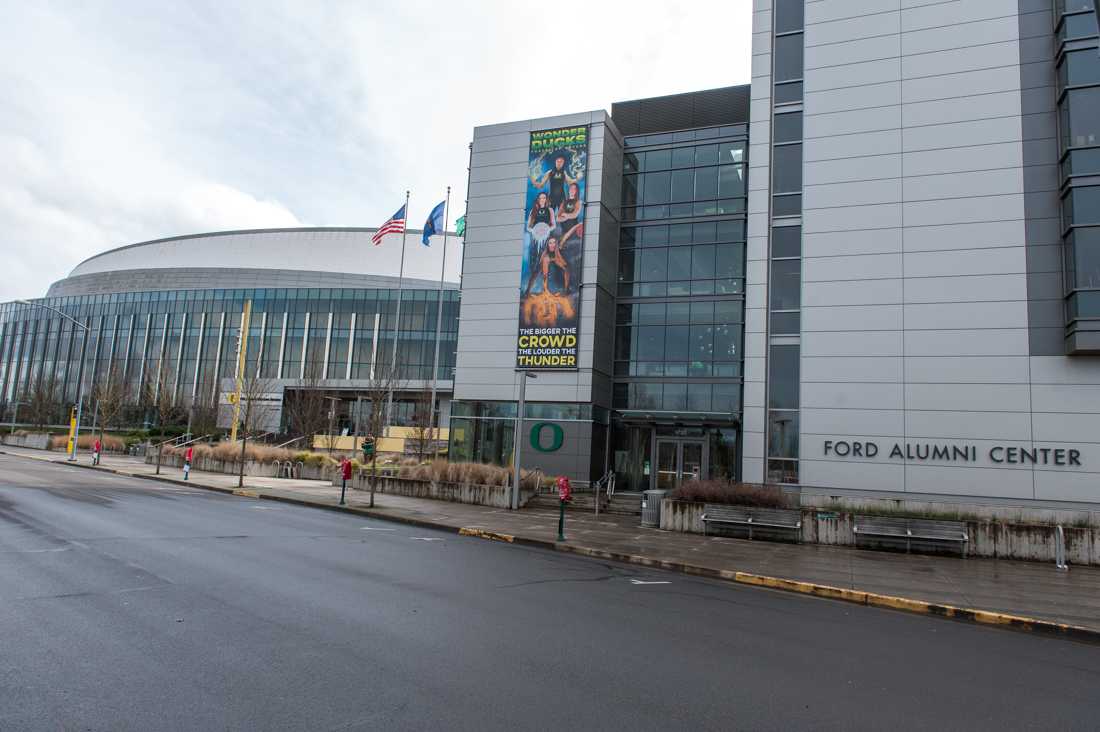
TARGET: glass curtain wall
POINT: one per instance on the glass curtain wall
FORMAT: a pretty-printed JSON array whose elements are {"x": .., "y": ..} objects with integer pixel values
[
  {"x": 1078, "y": 75},
  {"x": 785, "y": 255},
  {"x": 681, "y": 292},
  {"x": 186, "y": 340}
]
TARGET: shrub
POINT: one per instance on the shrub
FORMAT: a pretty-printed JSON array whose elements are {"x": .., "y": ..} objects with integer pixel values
[
  {"x": 110, "y": 443},
  {"x": 443, "y": 471},
  {"x": 741, "y": 494},
  {"x": 231, "y": 452}
]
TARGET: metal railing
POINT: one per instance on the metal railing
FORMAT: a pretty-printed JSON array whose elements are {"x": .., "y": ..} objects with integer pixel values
[
  {"x": 291, "y": 442},
  {"x": 606, "y": 484}
]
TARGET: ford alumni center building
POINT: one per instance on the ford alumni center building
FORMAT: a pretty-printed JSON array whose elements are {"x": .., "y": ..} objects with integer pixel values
[{"x": 873, "y": 271}]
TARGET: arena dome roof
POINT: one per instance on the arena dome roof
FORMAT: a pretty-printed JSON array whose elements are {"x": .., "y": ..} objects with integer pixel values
[{"x": 299, "y": 257}]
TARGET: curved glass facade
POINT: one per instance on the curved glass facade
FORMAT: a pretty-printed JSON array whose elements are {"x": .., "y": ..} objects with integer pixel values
[{"x": 322, "y": 335}]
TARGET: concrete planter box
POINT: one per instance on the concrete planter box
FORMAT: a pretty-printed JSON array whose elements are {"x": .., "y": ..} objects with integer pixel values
[
  {"x": 253, "y": 468},
  {"x": 990, "y": 539},
  {"x": 496, "y": 496},
  {"x": 39, "y": 441}
]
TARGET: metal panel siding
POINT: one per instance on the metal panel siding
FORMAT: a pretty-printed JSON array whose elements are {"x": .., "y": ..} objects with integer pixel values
[
  {"x": 493, "y": 255},
  {"x": 931, "y": 294}
]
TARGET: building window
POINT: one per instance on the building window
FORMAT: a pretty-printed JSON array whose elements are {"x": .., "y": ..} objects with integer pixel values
[
  {"x": 1081, "y": 117},
  {"x": 783, "y": 377},
  {"x": 789, "y": 92},
  {"x": 788, "y": 15},
  {"x": 786, "y": 242},
  {"x": 788, "y": 127},
  {"x": 787, "y": 57},
  {"x": 787, "y": 170},
  {"x": 786, "y": 284}
]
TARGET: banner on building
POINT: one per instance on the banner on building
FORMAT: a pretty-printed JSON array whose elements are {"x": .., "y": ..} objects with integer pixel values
[{"x": 553, "y": 249}]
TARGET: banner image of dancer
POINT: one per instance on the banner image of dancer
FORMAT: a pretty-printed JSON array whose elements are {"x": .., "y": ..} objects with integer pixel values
[{"x": 553, "y": 250}]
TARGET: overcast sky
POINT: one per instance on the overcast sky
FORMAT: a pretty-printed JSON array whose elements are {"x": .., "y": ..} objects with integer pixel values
[{"x": 132, "y": 120}]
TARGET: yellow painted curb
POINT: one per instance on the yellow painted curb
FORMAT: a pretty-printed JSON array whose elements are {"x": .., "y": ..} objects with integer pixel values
[
  {"x": 490, "y": 535},
  {"x": 246, "y": 494},
  {"x": 906, "y": 604}
]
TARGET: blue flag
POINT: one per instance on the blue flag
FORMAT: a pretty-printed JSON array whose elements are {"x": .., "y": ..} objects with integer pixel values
[{"x": 434, "y": 224}]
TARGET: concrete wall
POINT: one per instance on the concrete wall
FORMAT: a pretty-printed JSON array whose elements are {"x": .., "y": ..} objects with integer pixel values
[
  {"x": 496, "y": 496},
  {"x": 986, "y": 539},
  {"x": 37, "y": 441},
  {"x": 492, "y": 258},
  {"x": 930, "y": 263}
]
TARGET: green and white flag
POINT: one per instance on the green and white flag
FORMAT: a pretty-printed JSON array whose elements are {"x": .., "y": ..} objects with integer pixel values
[{"x": 460, "y": 225}]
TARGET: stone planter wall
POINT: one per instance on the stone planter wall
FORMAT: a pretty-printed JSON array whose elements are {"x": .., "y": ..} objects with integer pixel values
[
  {"x": 37, "y": 441},
  {"x": 232, "y": 467},
  {"x": 991, "y": 539},
  {"x": 496, "y": 496}
]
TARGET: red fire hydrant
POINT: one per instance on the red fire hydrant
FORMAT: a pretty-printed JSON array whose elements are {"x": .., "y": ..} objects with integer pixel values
[{"x": 565, "y": 494}]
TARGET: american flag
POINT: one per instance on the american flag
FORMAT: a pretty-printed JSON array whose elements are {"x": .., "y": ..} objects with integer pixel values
[{"x": 394, "y": 225}]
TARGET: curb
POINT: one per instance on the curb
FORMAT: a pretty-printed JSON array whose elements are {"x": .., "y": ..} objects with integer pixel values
[{"x": 856, "y": 597}]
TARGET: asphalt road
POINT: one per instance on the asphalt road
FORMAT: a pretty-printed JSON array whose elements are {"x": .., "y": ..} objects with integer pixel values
[{"x": 131, "y": 605}]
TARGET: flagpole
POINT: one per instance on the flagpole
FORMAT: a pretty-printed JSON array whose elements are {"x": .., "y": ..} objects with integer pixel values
[
  {"x": 439, "y": 318},
  {"x": 397, "y": 324}
]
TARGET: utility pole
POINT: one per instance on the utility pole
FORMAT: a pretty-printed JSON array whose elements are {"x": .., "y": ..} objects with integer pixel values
[
  {"x": 14, "y": 415},
  {"x": 331, "y": 418},
  {"x": 517, "y": 441},
  {"x": 439, "y": 325}
]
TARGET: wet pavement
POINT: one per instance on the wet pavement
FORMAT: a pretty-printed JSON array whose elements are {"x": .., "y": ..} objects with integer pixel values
[{"x": 1028, "y": 589}]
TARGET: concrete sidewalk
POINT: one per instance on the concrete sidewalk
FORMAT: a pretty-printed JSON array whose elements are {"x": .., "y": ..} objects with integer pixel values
[{"x": 1025, "y": 589}]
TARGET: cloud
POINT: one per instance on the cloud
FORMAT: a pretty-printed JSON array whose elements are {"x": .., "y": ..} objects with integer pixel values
[{"x": 122, "y": 122}]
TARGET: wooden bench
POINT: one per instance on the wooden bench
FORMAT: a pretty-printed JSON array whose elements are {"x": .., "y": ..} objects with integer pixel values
[
  {"x": 908, "y": 530},
  {"x": 772, "y": 519}
]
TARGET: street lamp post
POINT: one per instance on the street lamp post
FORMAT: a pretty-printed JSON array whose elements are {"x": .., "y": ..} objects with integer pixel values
[
  {"x": 14, "y": 414},
  {"x": 83, "y": 362},
  {"x": 517, "y": 443}
]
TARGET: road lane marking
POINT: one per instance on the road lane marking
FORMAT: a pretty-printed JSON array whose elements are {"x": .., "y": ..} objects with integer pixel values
[
  {"x": 374, "y": 528},
  {"x": 644, "y": 582},
  {"x": 425, "y": 538},
  {"x": 36, "y": 551}
]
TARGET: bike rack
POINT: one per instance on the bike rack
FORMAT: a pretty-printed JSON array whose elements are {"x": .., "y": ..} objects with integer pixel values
[{"x": 1060, "y": 549}]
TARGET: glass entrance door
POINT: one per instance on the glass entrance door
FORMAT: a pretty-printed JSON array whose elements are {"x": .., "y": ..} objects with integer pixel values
[{"x": 677, "y": 461}]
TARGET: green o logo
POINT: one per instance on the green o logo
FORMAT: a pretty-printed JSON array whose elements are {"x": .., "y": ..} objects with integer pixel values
[{"x": 558, "y": 436}]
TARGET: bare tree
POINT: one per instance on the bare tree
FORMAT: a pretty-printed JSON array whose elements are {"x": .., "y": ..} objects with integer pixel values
[
  {"x": 112, "y": 394},
  {"x": 306, "y": 408},
  {"x": 424, "y": 432},
  {"x": 252, "y": 415},
  {"x": 160, "y": 395},
  {"x": 382, "y": 382},
  {"x": 43, "y": 401},
  {"x": 203, "y": 412}
]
